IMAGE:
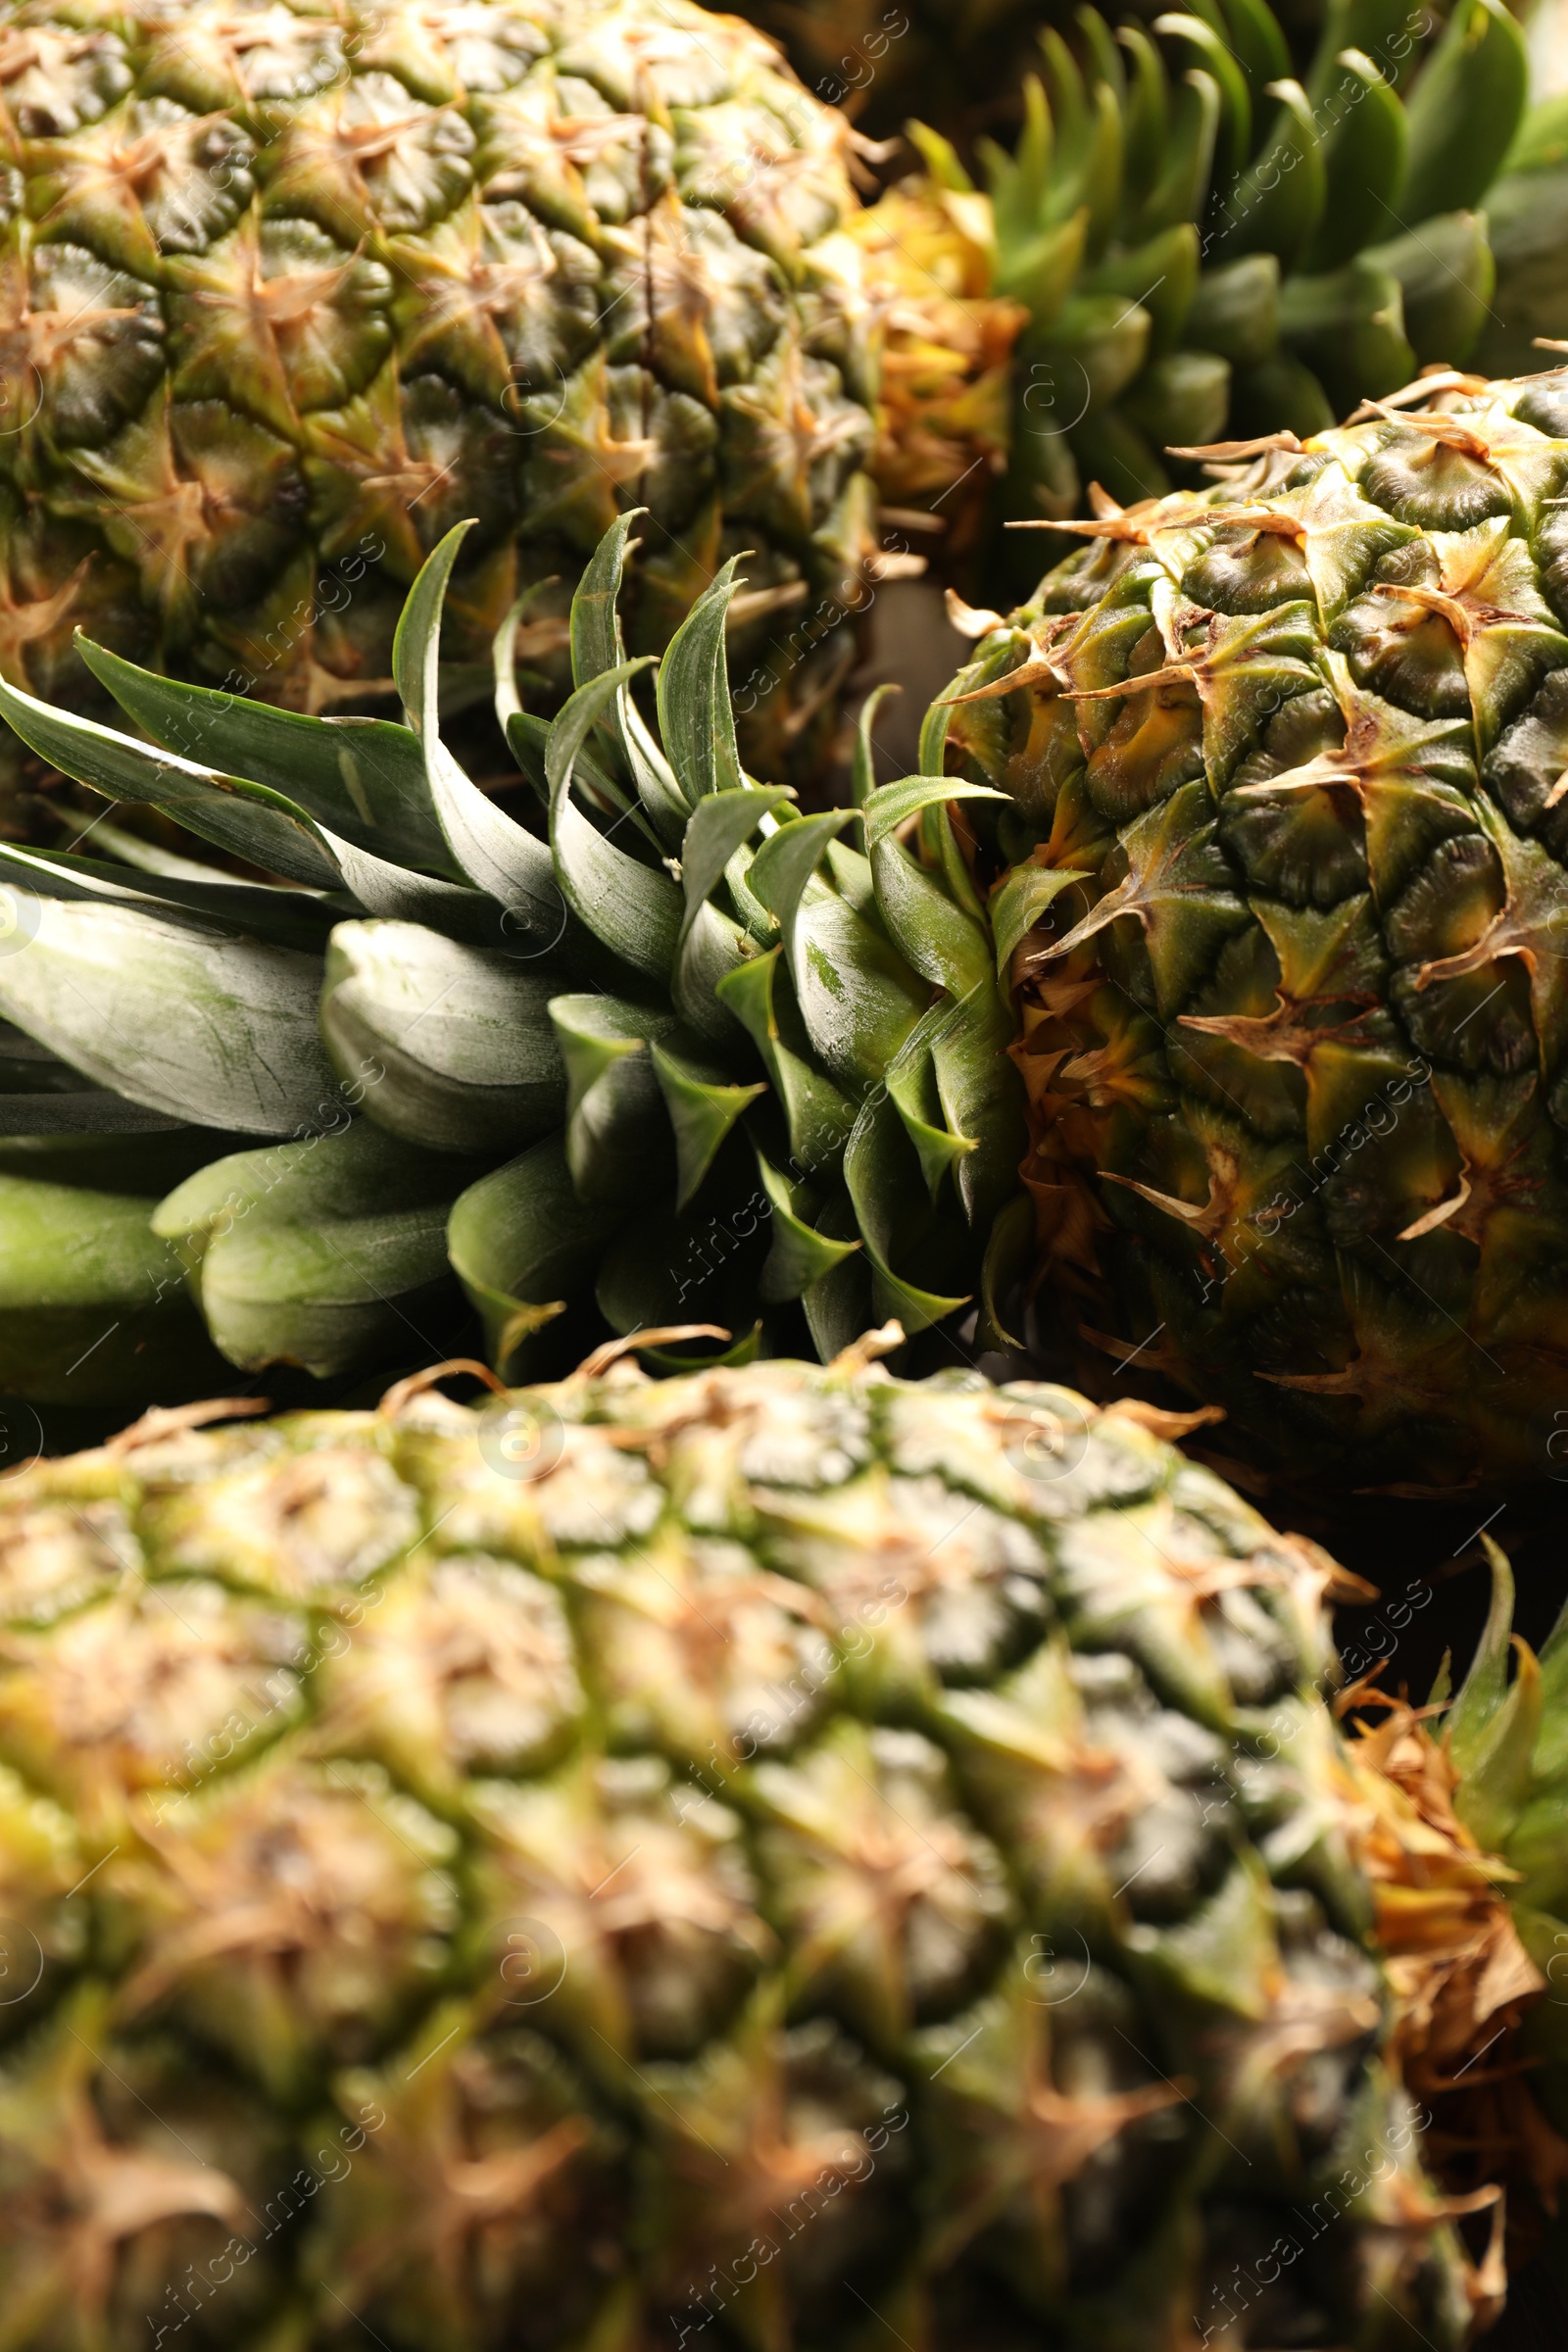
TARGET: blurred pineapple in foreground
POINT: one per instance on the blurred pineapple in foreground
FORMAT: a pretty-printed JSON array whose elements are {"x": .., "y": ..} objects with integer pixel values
[{"x": 778, "y": 1855}]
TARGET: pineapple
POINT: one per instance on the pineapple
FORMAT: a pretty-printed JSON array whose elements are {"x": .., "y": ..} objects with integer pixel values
[
  {"x": 1205, "y": 245},
  {"x": 1210, "y": 246},
  {"x": 1205, "y": 983},
  {"x": 772, "y": 1857},
  {"x": 285, "y": 291}
]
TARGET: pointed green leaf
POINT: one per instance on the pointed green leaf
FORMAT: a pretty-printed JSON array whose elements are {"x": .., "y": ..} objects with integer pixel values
[
  {"x": 1258, "y": 43},
  {"x": 694, "y": 717},
  {"x": 1277, "y": 203},
  {"x": 1482, "y": 1691},
  {"x": 862, "y": 775},
  {"x": 818, "y": 1116},
  {"x": 1497, "y": 1787},
  {"x": 715, "y": 831},
  {"x": 787, "y": 860},
  {"x": 364, "y": 777},
  {"x": 521, "y": 1242},
  {"x": 497, "y": 856},
  {"x": 416, "y": 641},
  {"x": 1464, "y": 109},
  {"x": 982, "y": 1099},
  {"x": 912, "y": 1084},
  {"x": 1022, "y": 900},
  {"x": 250, "y": 820},
  {"x": 1215, "y": 58},
  {"x": 709, "y": 953},
  {"x": 874, "y": 1174},
  {"x": 800, "y": 1256},
  {"x": 702, "y": 1109},
  {"x": 1363, "y": 161},
  {"x": 856, "y": 996},
  {"x": 1188, "y": 153},
  {"x": 634, "y": 911},
  {"x": 942, "y": 943},
  {"x": 290, "y": 917},
  {"x": 1010, "y": 1255},
  {"x": 595, "y": 640},
  {"x": 893, "y": 805},
  {"x": 617, "y": 1141}
]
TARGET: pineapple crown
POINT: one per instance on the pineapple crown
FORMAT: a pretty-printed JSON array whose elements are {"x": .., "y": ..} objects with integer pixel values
[
  {"x": 699, "y": 1046},
  {"x": 1203, "y": 243}
]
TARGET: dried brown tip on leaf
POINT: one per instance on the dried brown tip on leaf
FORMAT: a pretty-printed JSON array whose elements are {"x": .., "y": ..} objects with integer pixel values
[
  {"x": 973, "y": 620},
  {"x": 869, "y": 1349},
  {"x": 657, "y": 1336},
  {"x": 1427, "y": 386},
  {"x": 403, "y": 1392},
  {"x": 171, "y": 1420},
  {"x": 1256, "y": 448}
]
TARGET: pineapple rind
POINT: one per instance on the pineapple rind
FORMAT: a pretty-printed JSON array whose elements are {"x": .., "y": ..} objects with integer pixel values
[
  {"x": 283, "y": 294},
  {"x": 778, "y": 1881}
]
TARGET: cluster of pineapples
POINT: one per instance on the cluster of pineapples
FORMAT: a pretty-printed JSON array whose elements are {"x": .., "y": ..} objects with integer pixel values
[
  {"x": 779, "y": 1854},
  {"x": 1206, "y": 981}
]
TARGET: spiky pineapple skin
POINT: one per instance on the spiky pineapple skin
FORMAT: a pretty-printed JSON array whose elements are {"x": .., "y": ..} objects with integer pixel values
[
  {"x": 285, "y": 293},
  {"x": 727, "y": 1857},
  {"x": 1294, "y": 1042}
]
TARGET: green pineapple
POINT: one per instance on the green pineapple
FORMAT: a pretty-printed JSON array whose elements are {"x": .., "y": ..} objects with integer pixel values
[
  {"x": 1204, "y": 984},
  {"x": 283, "y": 292},
  {"x": 771, "y": 1856}
]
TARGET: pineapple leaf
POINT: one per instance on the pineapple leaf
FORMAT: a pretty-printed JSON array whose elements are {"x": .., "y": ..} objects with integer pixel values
[
  {"x": 800, "y": 1256},
  {"x": 634, "y": 911},
  {"x": 96, "y": 1304},
  {"x": 1483, "y": 1689},
  {"x": 818, "y": 1116},
  {"x": 786, "y": 862},
  {"x": 1234, "y": 143},
  {"x": 1277, "y": 202},
  {"x": 615, "y": 1142},
  {"x": 893, "y": 805},
  {"x": 287, "y": 917},
  {"x": 1464, "y": 109},
  {"x": 717, "y": 827},
  {"x": 250, "y": 820},
  {"x": 695, "y": 715},
  {"x": 596, "y": 639},
  {"x": 1020, "y": 902},
  {"x": 1363, "y": 161},
  {"x": 982, "y": 1098},
  {"x": 862, "y": 776},
  {"x": 364, "y": 777},
  {"x": 498, "y": 856},
  {"x": 302, "y": 1254},
  {"x": 417, "y": 644},
  {"x": 702, "y": 1109},
  {"x": 876, "y": 1175},
  {"x": 912, "y": 1084},
  {"x": 451, "y": 1046},
  {"x": 218, "y": 1031},
  {"x": 521, "y": 1239}
]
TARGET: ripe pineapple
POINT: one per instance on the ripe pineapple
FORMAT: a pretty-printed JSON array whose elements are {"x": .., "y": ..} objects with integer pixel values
[
  {"x": 285, "y": 291},
  {"x": 1205, "y": 981},
  {"x": 771, "y": 1857}
]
